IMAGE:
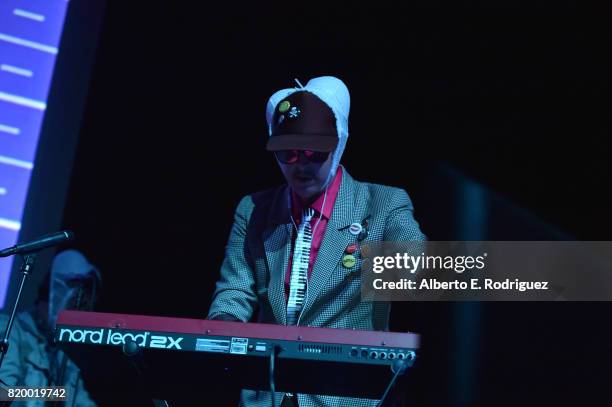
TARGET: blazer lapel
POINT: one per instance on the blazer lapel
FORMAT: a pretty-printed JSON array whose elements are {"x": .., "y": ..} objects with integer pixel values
[
  {"x": 277, "y": 244},
  {"x": 336, "y": 239}
]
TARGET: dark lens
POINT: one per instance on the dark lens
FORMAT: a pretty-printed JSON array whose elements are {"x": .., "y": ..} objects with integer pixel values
[
  {"x": 316, "y": 156},
  {"x": 287, "y": 156}
]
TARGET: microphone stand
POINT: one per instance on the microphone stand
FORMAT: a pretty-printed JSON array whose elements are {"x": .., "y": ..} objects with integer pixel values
[
  {"x": 27, "y": 265},
  {"x": 398, "y": 367},
  {"x": 134, "y": 354},
  {"x": 28, "y": 251}
]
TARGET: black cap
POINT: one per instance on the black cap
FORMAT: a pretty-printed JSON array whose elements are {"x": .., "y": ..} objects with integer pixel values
[{"x": 302, "y": 121}]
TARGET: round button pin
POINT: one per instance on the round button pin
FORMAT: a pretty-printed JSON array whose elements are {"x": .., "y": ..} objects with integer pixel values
[
  {"x": 284, "y": 106},
  {"x": 352, "y": 248},
  {"x": 348, "y": 261},
  {"x": 355, "y": 229}
]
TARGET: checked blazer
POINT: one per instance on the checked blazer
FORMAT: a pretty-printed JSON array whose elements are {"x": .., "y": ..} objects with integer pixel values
[{"x": 251, "y": 285}]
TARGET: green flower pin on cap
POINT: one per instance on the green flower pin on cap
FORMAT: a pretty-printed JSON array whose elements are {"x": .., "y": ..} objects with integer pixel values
[{"x": 284, "y": 106}]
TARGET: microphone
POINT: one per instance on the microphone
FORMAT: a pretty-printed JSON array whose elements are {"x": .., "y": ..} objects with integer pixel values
[{"x": 38, "y": 244}]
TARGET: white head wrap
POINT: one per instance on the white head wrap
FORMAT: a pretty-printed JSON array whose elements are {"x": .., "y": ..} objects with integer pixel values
[{"x": 335, "y": 94}]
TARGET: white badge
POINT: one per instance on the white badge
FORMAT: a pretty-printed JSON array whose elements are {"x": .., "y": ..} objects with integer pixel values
[{"x": 355, "y": 228}]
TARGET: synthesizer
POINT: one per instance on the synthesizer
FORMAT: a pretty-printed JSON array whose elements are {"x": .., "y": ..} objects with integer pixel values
[{"x": 185, "y": 354}]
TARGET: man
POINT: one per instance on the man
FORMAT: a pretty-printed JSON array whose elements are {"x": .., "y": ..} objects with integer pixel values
[
  {"x": 293, "y": 256},
  {"x": 33, "y": 359}
]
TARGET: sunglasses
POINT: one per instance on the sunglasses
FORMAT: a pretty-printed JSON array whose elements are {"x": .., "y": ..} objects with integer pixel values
[{"x": 292, "y": 156}]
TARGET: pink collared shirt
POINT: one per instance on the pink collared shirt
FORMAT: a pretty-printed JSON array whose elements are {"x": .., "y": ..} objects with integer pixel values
[{"x": 317, "y": 237}]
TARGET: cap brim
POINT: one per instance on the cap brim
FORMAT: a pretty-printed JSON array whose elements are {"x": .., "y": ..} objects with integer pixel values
[{"x": 302, "y": 142}]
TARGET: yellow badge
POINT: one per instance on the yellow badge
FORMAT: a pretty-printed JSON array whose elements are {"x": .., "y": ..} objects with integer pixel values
[
  {"x": 348, "y": 261},
  {"x": 284, "y": 106}
]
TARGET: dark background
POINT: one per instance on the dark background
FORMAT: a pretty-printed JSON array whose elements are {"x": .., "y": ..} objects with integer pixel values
[{"x": 508, "y": 99}]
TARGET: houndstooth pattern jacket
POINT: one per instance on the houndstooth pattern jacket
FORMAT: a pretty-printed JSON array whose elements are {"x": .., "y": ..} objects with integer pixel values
[{"x": 257, "y": 253}]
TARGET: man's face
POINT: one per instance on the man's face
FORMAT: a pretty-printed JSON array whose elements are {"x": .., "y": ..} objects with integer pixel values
[
  {"x": 72, "y": 294},
  {"x": 305, "y": 177}
]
